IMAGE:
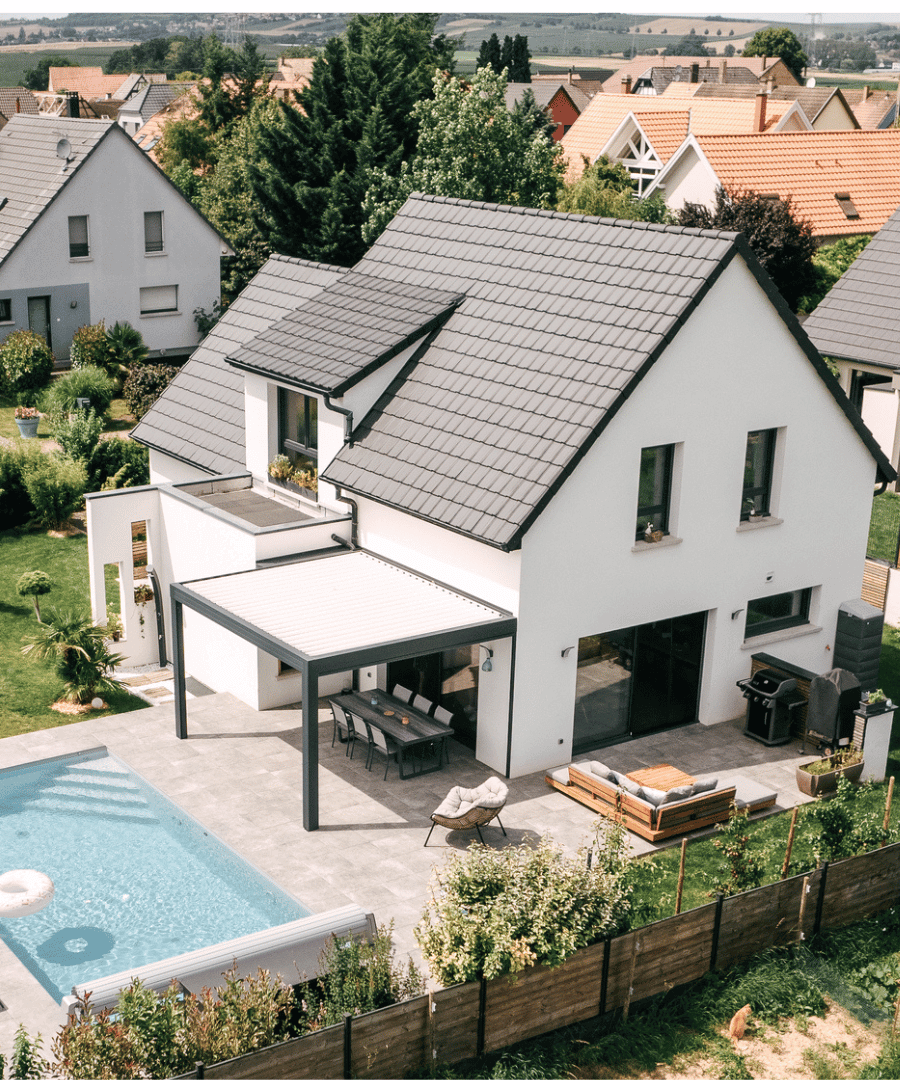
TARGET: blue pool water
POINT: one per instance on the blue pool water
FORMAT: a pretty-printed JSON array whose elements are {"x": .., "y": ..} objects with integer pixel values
[{"x": 137, "y": 880}]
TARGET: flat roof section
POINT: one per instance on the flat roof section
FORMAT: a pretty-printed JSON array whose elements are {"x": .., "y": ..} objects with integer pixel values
[{"x": 254, "y": 508}]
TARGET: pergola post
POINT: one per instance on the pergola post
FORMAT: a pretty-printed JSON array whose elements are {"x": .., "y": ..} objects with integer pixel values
[
  {"x": 310, "y": 707},
  {"x": 178, "y": 667}
]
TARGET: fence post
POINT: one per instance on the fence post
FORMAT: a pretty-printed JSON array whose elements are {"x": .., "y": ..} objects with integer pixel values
[
  {"x": 684, "y": 844},
  {"x": 801, "y": 918},
  {"x": 432, "y": 1049},
  {"x": 199, "y": 1069},
  {"x": 348, "y": 1045},
  {"x": 482, "y": 1016},
  {"x": 604, "y": 975},
  {"x": 820, "y": 899},
  {"x": 717, "y": 926}
]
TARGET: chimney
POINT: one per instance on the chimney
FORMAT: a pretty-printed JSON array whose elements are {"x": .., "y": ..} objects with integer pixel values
[
  {"x": 759, "y": 113},
  {"x": 723, "y": 68},
  {"x": 570, "y": 76},
  {"x": 865, "y": 93},
  {"x": 695, "y": 73},
  {"x": 626, "y": 85}
]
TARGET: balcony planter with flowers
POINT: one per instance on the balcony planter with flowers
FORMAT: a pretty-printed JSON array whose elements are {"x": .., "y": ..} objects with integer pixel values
[
  {"x": 283, "y": 472},
  {"x": 821, "y": 777},
  {"x": 27, "y": 420}
]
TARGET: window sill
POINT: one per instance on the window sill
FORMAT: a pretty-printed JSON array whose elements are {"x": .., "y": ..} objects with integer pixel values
[
  {"x": 667, "y": 541},
  {"x": 781, "y": 635},
  {"x": 159, "y": 314},
  {"x": 758, "y": 523},
  {"x": 154, "y": 254},
  {"x": 81, "y": 258}
]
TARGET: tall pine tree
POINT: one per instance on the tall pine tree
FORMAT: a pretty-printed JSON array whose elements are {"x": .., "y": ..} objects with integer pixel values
[{"x": 489, "y": 54}]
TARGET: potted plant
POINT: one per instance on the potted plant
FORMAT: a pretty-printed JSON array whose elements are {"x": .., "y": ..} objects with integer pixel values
[
  {"x": 821, "y": 777},
  {"x": 113, "y": 625},
  {"x": 27, "y": 420},
  {"x": 281, "y": 468},
  {"x": 143, "y": 594},
  {"x": 286, "y": 474},
  {"x": 875, "y": 702}
]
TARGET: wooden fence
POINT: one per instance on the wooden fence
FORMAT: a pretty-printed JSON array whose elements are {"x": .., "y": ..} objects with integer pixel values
[{"x": 459, "y": 1023}]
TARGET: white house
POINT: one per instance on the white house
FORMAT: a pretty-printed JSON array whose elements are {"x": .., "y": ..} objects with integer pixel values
[
  {"x": 565, "y": 484},
  {"x": 91, "y": 229}
]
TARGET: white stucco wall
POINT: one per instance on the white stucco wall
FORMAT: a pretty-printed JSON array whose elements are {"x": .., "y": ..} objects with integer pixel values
[
  {"x": 733, "y": 368},
  {"x": 687, "y": 179},
  {"x": 114, "y": 188},
  {"x": 168, "y": 470}
]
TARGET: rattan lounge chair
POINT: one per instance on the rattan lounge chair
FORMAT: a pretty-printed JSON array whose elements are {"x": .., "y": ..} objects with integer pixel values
[{"x": 470, "y": 808}]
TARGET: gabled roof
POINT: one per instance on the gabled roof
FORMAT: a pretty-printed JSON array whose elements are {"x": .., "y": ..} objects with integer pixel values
[
  {"x": 88, "y": 81},
  {"x": 872, "y": 108},
  {"x": 200, "y": 417},
  {"x": 760, "y": 67},
  {"x": 152, "y": 98},
  {"x": 353, "y": 326},
  {"x": 859, "y": 318},
  {"x": 592, "y": 130},
  {"x": 813, "y": 98},
  {"x": 17, "y": 99},
  {"x": 544, "y": 93},
  {"x": 563, "y": 317},
  {"x": 814, "y": 167},
  {"x": 662, "y": 77}
]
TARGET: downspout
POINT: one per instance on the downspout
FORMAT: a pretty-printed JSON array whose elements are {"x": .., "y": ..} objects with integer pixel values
[
  {"x": 347, "y": 415},
  {"x": 354, "y": 509}
]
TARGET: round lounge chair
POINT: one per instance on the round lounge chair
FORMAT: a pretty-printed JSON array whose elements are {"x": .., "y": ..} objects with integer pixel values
[{"x": 470, "y": 808}]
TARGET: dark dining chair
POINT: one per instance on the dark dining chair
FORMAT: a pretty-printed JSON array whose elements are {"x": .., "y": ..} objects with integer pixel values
[
  {"x": 378, "y": 741},
  {"x": 344, "y": 728}
]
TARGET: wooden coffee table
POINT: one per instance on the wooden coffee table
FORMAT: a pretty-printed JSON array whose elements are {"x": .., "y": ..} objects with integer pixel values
[{"x": 661, "y": 777}]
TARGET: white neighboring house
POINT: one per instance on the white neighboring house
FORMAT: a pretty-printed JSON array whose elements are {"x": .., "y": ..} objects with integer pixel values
[
  {"x": 499, "y": 402},
  {"x": 91, "y": 229}
]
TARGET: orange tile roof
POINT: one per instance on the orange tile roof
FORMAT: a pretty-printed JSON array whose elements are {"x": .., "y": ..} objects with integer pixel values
[
  {"x": 709, "y": 116},
  {"x": 87, "y": 81},
  {"x": 870, "y": 111},
  {"x": 665, "y": 131},
  {"x": 641, "y": 64},
  {"x": 812, "y": 167}
]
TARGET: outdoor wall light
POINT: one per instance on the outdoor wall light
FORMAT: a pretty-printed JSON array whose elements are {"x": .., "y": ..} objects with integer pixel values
[
  {"x": 566, "y": 651},
  {"x": 487, "y": 665}
]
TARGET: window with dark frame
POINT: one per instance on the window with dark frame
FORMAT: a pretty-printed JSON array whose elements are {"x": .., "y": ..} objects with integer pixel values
[
  {"x": 654, "y": 489},
  {"x": 79, "y": 246},
  {"x": 153, "y": 232},
  {"x": 5, "y": 310},
  {"x": 297, "y": 428},
  {"x": 779, "y": 612},
  {"x": 758, "y": 468}
]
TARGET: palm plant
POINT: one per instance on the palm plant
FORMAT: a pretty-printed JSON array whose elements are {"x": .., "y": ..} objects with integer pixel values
[
  {"x": 77, "y": 647},
  {"x": 126, "y": 345}
]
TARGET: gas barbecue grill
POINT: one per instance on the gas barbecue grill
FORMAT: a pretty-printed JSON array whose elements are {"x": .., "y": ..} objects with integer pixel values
[{"x": 771, "y": 697}]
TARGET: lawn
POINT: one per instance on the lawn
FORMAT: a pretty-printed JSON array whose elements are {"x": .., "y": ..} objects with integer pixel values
[
  {"x": 28, "y": 688},
  {"x": 884, "y": 526},
  {"x": 119, "y": 419}
]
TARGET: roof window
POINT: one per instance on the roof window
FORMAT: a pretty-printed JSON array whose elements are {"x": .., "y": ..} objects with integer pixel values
[{"x": 846, "y": 204}]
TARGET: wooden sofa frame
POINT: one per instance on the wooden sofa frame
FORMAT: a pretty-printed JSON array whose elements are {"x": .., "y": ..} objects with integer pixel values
[{"x": 651, "y": 822}]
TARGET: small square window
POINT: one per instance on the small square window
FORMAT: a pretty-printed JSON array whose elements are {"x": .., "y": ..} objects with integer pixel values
[
  {"x": 79, "y": 245},
  {"x": 5, "y": 310},
  {"x": 153, "y": 232},
  {"x": 654, "y": 490},
  {"x": 157, "y": 299},
  {"x": 779, "y": 612},
  {"x": 758, "y": 469}
]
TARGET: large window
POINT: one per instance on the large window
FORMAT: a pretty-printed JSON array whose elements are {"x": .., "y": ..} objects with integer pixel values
[
  {"x": 654, "y": 490},
  {"x": 79, "y": 244},
  {"x": 153, "y": 232},
  {"x": 778, "y": 612},
  {"x": 159, "y": 299},
  {"x": 758, "y": 467},
  {"x": 297, "y": 428}
]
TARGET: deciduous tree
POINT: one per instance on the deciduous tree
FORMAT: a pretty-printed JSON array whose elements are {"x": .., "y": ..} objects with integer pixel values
[
  {"x": 605, "y": 189},
  {"x": 781, "y": 42}
]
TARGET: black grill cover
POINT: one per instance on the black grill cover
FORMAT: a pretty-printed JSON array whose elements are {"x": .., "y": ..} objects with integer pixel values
[{"x": 832, "y": 699}]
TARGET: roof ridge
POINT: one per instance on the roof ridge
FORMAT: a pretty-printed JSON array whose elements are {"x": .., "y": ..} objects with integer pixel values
[
  {"x": 295, "y": 260},
  {"x": 714, "y": 234}
]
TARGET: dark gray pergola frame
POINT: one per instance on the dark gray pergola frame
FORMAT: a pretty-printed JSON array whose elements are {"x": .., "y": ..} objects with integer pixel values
[{"x": 313, "y": 668}]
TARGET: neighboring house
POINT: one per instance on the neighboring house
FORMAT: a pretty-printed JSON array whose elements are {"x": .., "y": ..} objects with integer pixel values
[
  {"x": 88, "y": 82},
  {"x": 90, "y": 230},
  {"x": 498, "y": 401},
  {"x": 134, "y": 113},
  {"x": 826, "y": 107},
  {"x": 658, "y": 79},
  {"x": 561, "y": 101},
  {"x": 636, "y": 76},
  {"x": 844, "y": 183},
  {"x": 15, "y": 100},
  {"x": 858, "y": 326},
  {"x": 873, "y": 108},
  {"x": 604, "y": 127}
]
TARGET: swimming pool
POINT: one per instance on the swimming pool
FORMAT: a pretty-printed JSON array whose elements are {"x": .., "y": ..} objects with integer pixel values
[{"x": 137, "y": 879}]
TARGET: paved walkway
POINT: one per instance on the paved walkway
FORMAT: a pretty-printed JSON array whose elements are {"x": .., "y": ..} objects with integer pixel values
[{"x": 239, "y": 774}]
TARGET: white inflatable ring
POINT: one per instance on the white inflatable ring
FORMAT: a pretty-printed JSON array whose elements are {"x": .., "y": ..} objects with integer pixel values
[{"x": 23, "y": 892}]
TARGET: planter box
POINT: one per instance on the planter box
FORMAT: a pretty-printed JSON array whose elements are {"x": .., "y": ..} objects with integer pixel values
[
  {"x": 826, "y": 783},
  {"x": 28, "y": 427},
  {"x": 289, "y": 485}
]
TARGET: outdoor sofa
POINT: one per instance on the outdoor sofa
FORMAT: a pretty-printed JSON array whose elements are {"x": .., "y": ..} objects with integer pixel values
[{"x": 652, "y": 814}]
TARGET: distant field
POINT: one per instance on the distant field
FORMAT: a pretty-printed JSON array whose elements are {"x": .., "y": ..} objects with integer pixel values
[
  {"x": 682, "y": 26},
  {"x": 14, "y": 62}
]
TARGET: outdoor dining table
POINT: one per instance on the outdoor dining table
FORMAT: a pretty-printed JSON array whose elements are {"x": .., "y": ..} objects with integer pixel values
[{"x": 387, "y": 713}]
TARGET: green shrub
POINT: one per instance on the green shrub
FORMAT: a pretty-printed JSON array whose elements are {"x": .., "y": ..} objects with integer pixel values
[
  {"x": 27, "y": 1062},
  {"x": 126, "y": 346},
  {"x": 34, "y": 583},
  {"x": 56, "y": 485},
  {"x": 496, "y": 912},
  {"x": 89, "y": 346},
  {"x": 118, "y": 463},
  {"x": 26, "y": 362},
  {"x": 15, "y": 502},
  {"x": 79, "y": 651},
  {"x": 741, "y": 869},
  {"x": 144, "y": 385},
  {"x": 92, "y": 383},
  {"x": 841, "y": 826},
  {"x": 78, "y": 433}
]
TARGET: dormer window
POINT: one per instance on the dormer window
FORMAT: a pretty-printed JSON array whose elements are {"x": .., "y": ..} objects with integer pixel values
[
  {"x": 846, "y": 204},
  {"x": 298, "y": 438}
]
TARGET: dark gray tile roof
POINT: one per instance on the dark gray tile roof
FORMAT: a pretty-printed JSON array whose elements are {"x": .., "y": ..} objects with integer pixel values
[
  {"x": 31, "y": 171},
  {"x": 200, "y": 417},
  {"x": 545, "y": 92},
  {"x": 660, "y": 77},
  {"x": 17, "y": 99},
  {"x": 152, "y": 98},
  {"x": 357, "y": 323},
  {"x": 563, "y": 316},
  {"x": 859, "y": 319}
]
